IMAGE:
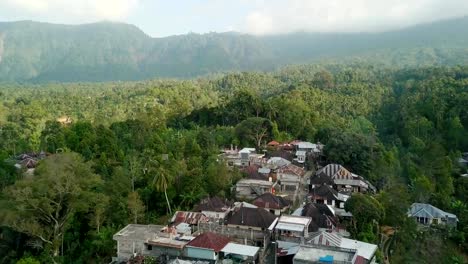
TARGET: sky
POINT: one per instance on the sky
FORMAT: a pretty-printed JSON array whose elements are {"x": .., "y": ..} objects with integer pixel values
[{"x": 160, "y": 18}]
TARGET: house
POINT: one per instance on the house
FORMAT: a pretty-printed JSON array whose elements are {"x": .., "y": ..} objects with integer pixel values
[
  {"x": 245, "y": 225},
  {"x": 251, "y": 218},
  {"x": 277, "y": 162},
  {"x": 241, "y": 158},
  {"x": 273, "y": 144},
  {"x": 213, "y": 207},
  {"x": 322, "y": 215},
  {"x": 272, "y": 203},
  {"x": 363, "y": 251},
  {"x": 292, "y": 228},
  {"x": 301, "y": 156},
  {"x": 325, "y": 194},
  {"x": 250, "y": 189},
  {"x": 206, "y": 246},
  {"x": 344, "y": 180},
  {"x": 427, "y": 214},
  {"x": 311, "y": 254},
  {"x": 291, "y": 177},
  {"x": 189, "y": 218},
  {"x": 240, "y": 253},
  {"x": 148, "y": 240}
]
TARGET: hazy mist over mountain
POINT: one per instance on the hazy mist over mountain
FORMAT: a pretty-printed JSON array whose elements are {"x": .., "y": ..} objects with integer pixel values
[{"x": 32, "y": 51}]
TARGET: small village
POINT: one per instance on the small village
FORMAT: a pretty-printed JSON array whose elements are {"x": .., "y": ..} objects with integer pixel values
[{"x": 289, "y": 208}]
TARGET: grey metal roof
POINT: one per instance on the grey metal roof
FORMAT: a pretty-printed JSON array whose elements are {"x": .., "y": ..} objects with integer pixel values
[{"x": 428, "y": 211}]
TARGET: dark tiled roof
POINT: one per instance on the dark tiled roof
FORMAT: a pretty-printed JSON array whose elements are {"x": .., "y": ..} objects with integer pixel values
[
  {"x": 210, "y": 240},
  {"x": 321, "y": 178},
  {"x": 252, "y": 173},
  {"x": 268, "y": 200},
  {"x": 214, "y": 204},
  {"x": 321, "y": 216},
  {"x": 254, "y": 217},
  {"x": 324, "y": 191}
]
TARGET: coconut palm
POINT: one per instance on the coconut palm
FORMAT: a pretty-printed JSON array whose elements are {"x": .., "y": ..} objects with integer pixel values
[{"x": 162, "y": 179}]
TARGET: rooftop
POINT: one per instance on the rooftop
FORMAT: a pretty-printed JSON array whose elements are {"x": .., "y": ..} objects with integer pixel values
[
  {"x": 268, "y": 200},
  {"x": 254, "y": 217},
  {"x": 299, "y": 220},
  {"x": 209, "y": 240},
  {"x": 139, "y": 232},
  {"x": 254, "y": 182},
  {"x": 238, "y": 249},
  {"x": 191, "y": 218},
  {"x": 214, "y": 204},
  {"x": 315, "y": 254},
  {"x": 427, "y": 210}
]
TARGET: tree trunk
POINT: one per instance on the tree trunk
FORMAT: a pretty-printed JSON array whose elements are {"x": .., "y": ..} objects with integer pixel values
[{"x": 167, "y": 200}]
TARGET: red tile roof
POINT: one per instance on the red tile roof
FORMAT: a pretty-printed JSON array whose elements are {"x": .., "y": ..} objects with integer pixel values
[
  {"x": 210, "y": 240},
  {"x": 273, "y": 143}
]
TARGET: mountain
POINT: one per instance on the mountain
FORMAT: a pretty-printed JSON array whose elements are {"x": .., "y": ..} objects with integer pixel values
[{"x": 32, "y": 51}]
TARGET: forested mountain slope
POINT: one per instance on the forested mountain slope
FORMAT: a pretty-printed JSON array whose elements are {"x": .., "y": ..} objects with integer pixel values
[
  {"x": 31, "y": 51},
  {"x": 404, "y": 130}
]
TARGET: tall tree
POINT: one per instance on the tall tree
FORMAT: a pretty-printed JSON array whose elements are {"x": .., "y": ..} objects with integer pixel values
[{"x": 44, "y": 205}]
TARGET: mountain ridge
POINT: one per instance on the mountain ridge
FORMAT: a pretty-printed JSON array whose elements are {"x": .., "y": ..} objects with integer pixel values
[{"x": 107, "y": 51}]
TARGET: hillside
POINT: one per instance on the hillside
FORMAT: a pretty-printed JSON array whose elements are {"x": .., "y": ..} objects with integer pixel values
[{"x": 31, "y": 51}]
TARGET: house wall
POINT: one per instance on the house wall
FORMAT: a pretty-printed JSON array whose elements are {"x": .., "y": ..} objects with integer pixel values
[
  {"x": 243, "y": 235},
  {"x": 200, "y": 253},
  {"x": 216, "y": 215},
  {"x": 126, "y": 248}
]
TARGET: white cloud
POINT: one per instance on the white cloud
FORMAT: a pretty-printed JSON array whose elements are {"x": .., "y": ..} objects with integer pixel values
[
  {"x": 70, "y": 10},
  {"x": 280, "y": 16}
]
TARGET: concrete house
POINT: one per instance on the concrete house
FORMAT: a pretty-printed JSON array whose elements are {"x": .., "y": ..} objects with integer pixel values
[
  {"x": 148, "y": 240},
  {"x": 206, "y": 246},
  {"x": 344, "y": 180},
  {"x": 293, "y": 228},
  {"x": 250, "y": 188},
  {"x": 362, "y": 252},
  {"x": 427, "y": 214},
  {"x": 291, "y": 177},
  {"x": 213, "y": 207},
  {"x": 274, "y": 204}
]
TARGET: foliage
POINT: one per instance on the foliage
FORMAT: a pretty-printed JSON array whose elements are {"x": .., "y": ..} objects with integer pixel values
[{"x": 136, "y": 151}]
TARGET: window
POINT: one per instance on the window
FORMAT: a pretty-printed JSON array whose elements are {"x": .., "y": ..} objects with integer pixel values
[{"x": 149, "y": 247}]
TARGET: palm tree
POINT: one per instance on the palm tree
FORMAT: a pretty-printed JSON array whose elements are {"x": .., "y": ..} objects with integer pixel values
[{"x": 161, "y": 181}]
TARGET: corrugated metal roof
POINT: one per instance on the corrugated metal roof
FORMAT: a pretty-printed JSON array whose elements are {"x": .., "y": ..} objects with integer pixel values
[
  {"x": 290, "y": 227},
  {"x": 423, "y": 210},
  {"x": 243, "y": 250}
]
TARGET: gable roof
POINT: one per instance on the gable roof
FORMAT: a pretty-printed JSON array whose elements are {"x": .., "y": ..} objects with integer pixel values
[
  {"x": 321, "y": 214},
  {"x": 209, "y": 240},
  {"x": 214, "y": 204},
  {"x": 254, "y": 217},
  {"x": 321, "y": 178},
  {"x": 292, "y": 169},
  {"x": 428, "y": 211},
  {"x": 278, "y": 162},
  {"x": 335, "y": 171},
  {"x": 365, "y": 250},
  {"x": 252, "y": 172},
  {"x": 268, "y": 200},
  {"x": 324, "y": 191}
]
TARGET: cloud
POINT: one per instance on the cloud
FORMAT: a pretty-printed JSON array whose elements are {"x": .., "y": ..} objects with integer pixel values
[
  {"x": 281, "y": 16},
  {"x": 69, "y": 10}
]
